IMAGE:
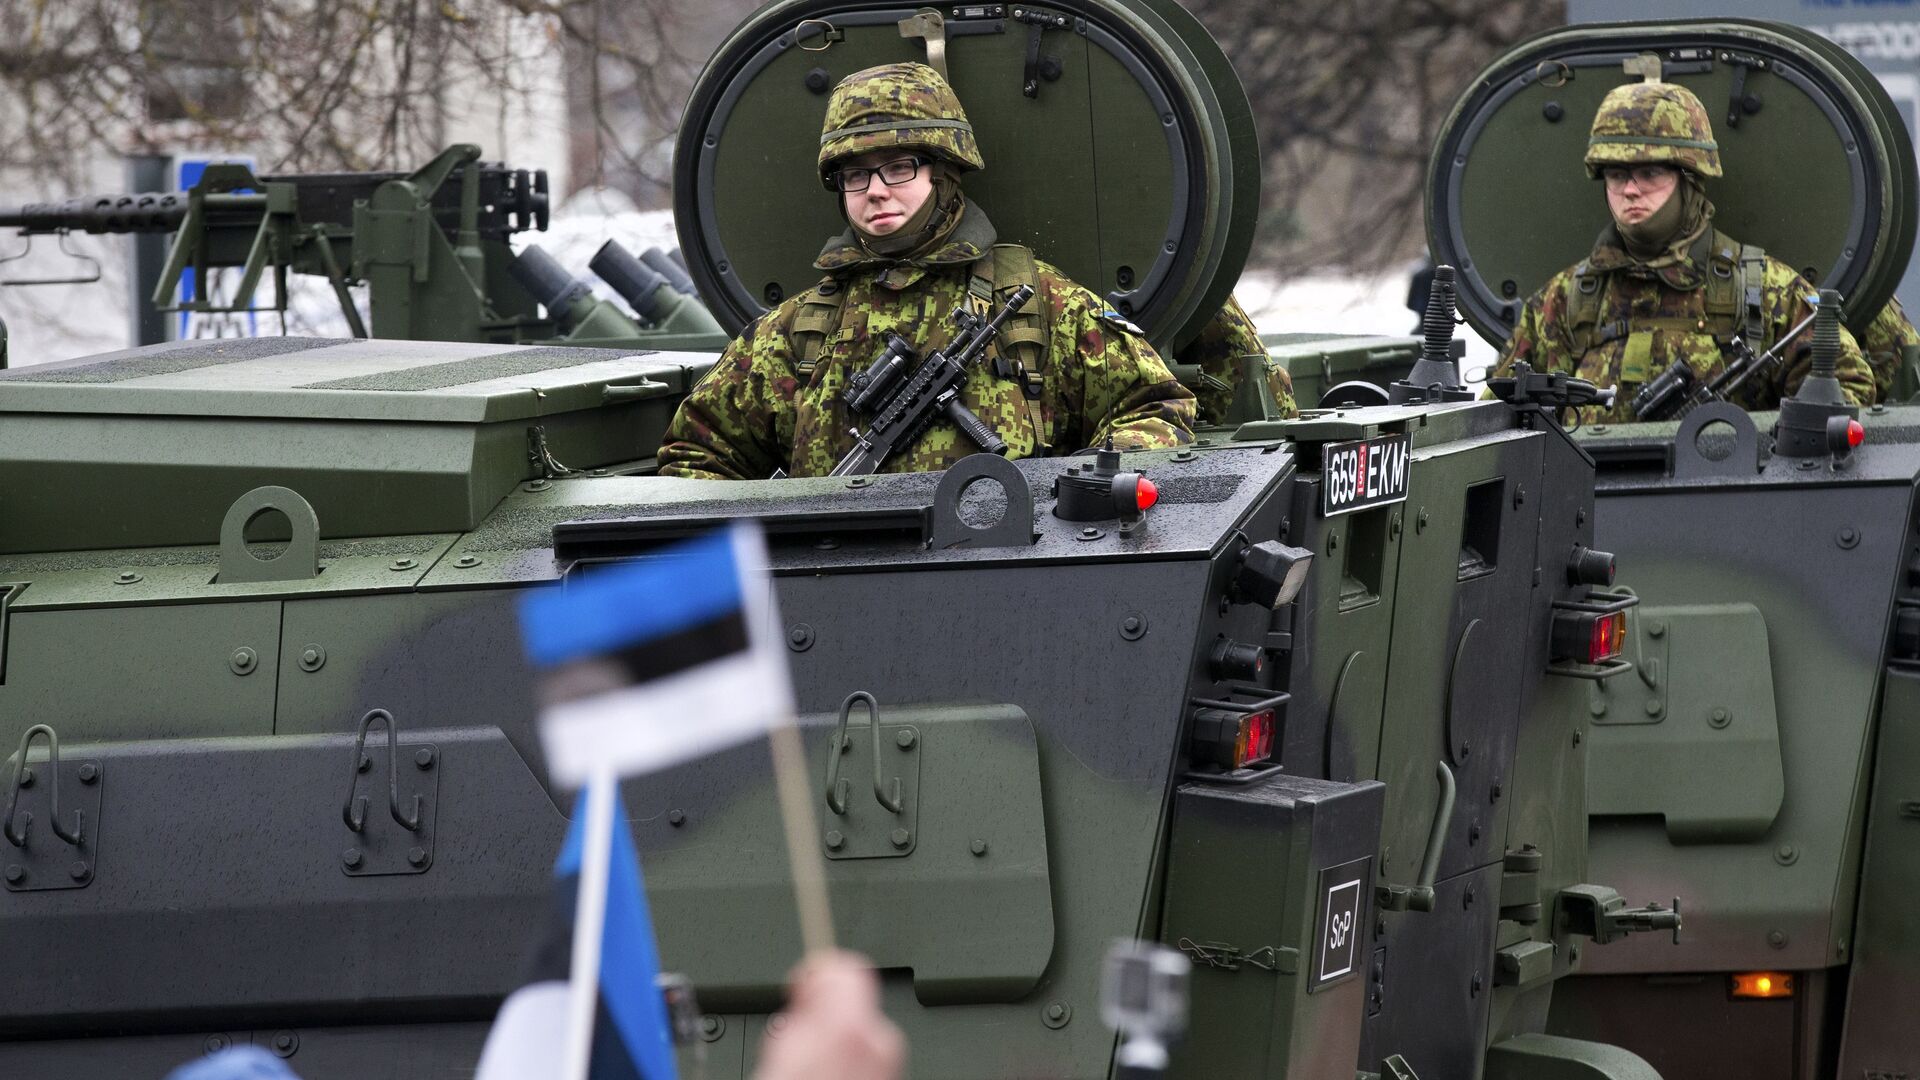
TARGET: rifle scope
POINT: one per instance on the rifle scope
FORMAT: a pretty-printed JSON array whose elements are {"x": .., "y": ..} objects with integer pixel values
[
  {"x": 869, "y": 388},
  {"x": 1666, "y": 395}
]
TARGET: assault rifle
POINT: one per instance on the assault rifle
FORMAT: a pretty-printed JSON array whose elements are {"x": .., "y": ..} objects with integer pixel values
[
  {"x": 905, "y": 405},
  {"x": 1677, "y": 391}
]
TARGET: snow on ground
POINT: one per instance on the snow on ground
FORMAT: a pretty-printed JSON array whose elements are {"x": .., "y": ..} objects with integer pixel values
[{"x": 59, "y": 322}]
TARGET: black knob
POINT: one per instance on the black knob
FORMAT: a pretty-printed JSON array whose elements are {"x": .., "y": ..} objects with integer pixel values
[
  {"x": 818, "y": 81},
  {"x": 1236, "y": 660},
  {"x": 1590, "y": 567},
  {"x": 1906, "y": 634}
]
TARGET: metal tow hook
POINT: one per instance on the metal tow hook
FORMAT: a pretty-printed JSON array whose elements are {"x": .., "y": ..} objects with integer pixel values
[
  {"x": 354, "y": 813},
  {"x": 22, "y": 776},
  {"x": 839, "y": 789}
]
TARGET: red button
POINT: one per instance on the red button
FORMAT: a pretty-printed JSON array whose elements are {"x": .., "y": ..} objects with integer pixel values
[
  {"x": 1145, "y": 494},
  {"x": 1855, "y": 433}
]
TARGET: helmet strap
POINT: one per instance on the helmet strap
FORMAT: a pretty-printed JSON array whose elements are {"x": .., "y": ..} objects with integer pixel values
[{"x": 1672, "y": 227}]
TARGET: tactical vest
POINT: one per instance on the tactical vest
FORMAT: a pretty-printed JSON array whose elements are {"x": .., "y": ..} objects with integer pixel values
[
  {"x": 1733, "y": 300},
  {"x": 1017, "y": 352}
]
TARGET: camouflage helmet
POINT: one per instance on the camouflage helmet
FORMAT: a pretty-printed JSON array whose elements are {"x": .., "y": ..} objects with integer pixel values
[
  {"x": 1652, "y": 122},
  {"x": 897, "y": 105}
]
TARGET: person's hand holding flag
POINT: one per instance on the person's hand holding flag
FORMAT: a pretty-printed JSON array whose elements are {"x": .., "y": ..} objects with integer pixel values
[
  {"x": 833, "y": 1026},
  {"x": 647, "y": 664}
]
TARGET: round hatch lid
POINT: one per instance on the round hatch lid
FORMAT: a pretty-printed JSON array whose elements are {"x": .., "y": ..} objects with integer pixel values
[
  {"x": 1119, "y": 146},
  {"x": 1819, "y": 167}
]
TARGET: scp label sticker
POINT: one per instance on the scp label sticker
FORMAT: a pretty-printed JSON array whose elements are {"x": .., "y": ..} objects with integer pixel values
[{"x": 1342, "y": 923}]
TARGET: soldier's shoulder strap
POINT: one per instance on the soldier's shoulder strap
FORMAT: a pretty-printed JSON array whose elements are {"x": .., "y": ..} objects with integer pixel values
[
  {"x": 1736, "y": 280},
  {"x": 1020, "y": 349},
  {"x": 1753, "y": 279},
  {"x": 816, "y": 320},
  {"x": 1586, "y": 293}
]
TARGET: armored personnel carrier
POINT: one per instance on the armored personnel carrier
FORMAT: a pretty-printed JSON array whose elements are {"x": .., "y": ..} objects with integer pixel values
[
  {"x": 1754, "y": 764},
  {"x": 1317, "y": 717}
]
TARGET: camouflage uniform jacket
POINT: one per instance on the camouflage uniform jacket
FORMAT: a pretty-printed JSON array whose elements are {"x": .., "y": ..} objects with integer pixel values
[
  {"x": 1886, "y": 341},
  {"x": 756, "y": 411},
  {"x": 1227, "y": 337},
  {"x": 1648, "y": 318}
]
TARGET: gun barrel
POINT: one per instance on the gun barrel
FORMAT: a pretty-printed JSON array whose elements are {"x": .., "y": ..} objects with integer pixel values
[
  {"x": 548, "y": 281},
  {"x": 150, "y": 212},
  {"x": 636, "y": 282},
  {"x": 664, "y": 265},
  {"x": 1730, "y": 380}
]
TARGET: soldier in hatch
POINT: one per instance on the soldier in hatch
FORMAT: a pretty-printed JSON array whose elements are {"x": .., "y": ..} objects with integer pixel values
[
  {"x": 1888, "y": 342},
  {"x": 1662, "y": 284},
  {"x": 1227, "y": 337},
  {"x": 1065, "y": 374}
]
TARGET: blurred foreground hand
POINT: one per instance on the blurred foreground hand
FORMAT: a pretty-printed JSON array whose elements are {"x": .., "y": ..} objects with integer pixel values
[{"x": 833, "y": 1028}]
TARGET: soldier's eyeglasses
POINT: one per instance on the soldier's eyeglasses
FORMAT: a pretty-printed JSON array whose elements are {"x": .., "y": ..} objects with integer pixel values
[
  {"x": 1643, "y": 175},
  {"x": 893, "y": 173}
]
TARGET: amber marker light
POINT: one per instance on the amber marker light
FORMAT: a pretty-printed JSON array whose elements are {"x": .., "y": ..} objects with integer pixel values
[{"x": 1762, "y": 984}]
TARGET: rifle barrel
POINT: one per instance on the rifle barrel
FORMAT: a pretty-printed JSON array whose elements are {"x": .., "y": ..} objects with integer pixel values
[
  {"x": 1729, "y": 381},
  {"x": 150, "y": 212}
]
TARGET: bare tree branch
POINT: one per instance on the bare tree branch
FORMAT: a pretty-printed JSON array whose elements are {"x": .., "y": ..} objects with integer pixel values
[{"x": 1349, "y": 98}]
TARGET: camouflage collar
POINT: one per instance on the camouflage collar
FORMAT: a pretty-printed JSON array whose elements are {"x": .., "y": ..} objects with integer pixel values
[
  {"x": 969, "y": 242},
  {"x": 1682, "y": 267}
]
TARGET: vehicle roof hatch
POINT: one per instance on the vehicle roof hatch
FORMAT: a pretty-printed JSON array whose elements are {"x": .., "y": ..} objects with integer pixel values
[{"x": 1119, "y": 145}]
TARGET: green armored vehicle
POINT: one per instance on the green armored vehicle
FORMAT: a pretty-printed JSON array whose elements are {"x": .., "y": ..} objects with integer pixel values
[
  {"x": 1318, "y": 718},
  {"x": 1755, "y": 763}
]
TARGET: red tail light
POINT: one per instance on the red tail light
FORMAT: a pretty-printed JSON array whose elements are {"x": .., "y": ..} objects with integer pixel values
[
  {"x": 1232, "y": 740},
  {"x": 1589, "y": 637},
  {"x": 1609, "y": 637}
]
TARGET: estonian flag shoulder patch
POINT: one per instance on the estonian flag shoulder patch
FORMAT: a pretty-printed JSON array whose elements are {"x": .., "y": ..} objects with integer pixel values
[{"x": 1121, "y": 322}]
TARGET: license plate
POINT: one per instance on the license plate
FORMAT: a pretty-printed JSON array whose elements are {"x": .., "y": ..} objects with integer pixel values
[{"x": 1359, "y": 475}]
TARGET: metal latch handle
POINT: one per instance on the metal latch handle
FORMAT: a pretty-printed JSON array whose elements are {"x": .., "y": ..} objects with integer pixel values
[
  {"x": 1419, "y": 897},
  {"x": 23, "y": 776},
  {"x": 354, "y": 813},
  {"x": 837, "y": 788}
]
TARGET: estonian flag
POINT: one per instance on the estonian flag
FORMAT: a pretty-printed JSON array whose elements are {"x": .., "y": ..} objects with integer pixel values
[
  {"x": 631, "y": 1036},
  {"x": 660, "y": 660}
]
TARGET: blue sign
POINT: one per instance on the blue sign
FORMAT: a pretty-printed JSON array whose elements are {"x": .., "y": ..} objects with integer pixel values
[{"x": 187, "y": 172}]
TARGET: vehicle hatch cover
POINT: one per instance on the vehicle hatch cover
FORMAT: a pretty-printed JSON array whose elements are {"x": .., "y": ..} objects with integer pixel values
[
  {"x": 1819, "y": 166},
  {"x": 1122, "y": 151}
]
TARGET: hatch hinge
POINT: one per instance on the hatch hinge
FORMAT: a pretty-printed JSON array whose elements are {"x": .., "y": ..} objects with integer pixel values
[
  {"x": 1740, "y": 102},
  {"x": 1039, "y": 67},
  {"x": 1520, "y": 885}
]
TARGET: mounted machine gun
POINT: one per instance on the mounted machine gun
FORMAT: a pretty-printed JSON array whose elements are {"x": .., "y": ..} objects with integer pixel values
[{"x": 432, "y": 247}]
